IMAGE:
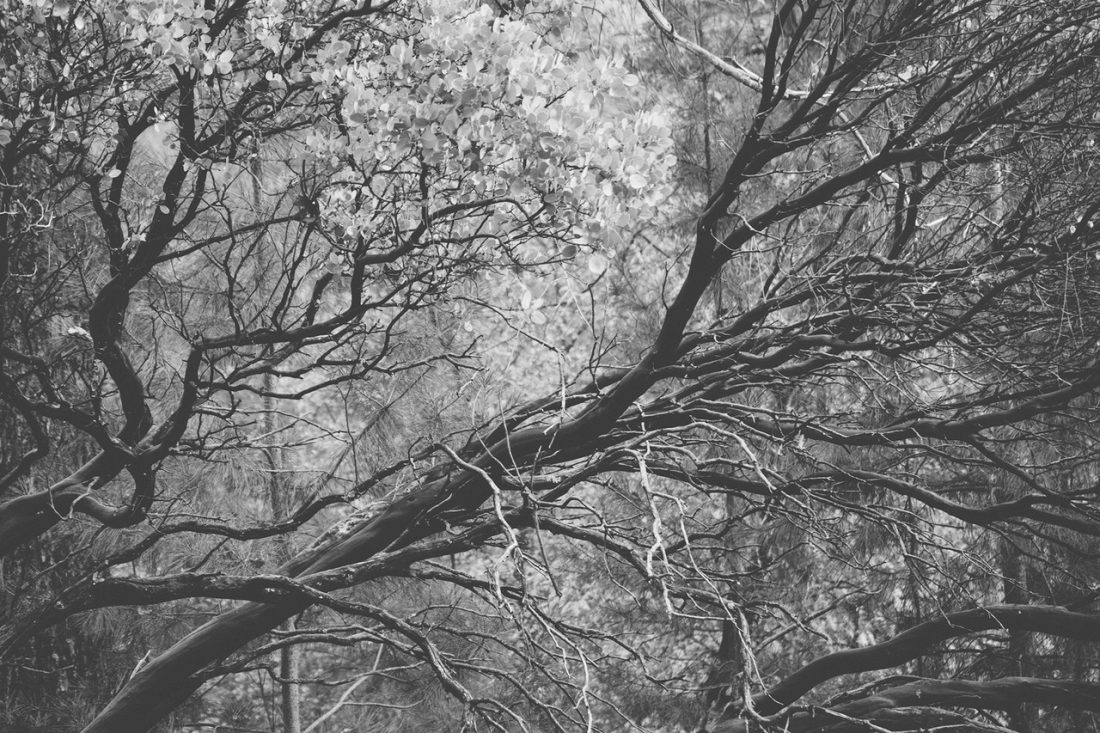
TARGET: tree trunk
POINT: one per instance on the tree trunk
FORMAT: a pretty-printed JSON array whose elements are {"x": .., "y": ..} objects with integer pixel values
[
  {"x": 1015, "y": 591},
  {"x": 291, "y": 698},
  {"x": 171, "y": 678},
  {"x": 279, "y": 500}
]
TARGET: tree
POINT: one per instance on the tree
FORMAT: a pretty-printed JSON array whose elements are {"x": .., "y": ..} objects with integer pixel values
[{"x": 894, "y": 384}]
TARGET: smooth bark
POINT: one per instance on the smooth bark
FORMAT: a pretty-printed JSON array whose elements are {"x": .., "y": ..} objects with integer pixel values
[
  {"x": 918, "y": 704},
  {"x": 914, "y": 642}
]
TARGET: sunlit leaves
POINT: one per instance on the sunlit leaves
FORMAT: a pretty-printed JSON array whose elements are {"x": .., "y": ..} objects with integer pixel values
[{"x": 492, "y": 111}]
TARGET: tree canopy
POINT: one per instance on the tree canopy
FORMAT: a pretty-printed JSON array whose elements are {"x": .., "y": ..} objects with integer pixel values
[{"x": 534, "y": 366}]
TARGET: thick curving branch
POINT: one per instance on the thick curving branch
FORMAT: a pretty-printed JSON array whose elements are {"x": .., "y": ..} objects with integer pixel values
[
  {"x": 918, "y": 705},
  {"x": 918, "y": 640}
]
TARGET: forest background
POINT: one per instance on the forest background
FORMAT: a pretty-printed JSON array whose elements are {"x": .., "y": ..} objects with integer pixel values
[{"x": 538, "y": 366}]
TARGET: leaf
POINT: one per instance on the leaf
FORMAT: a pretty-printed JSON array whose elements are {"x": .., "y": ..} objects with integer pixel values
[
  {"x": 224, "y": 63},
  {"x": 114, "y": 173}
]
